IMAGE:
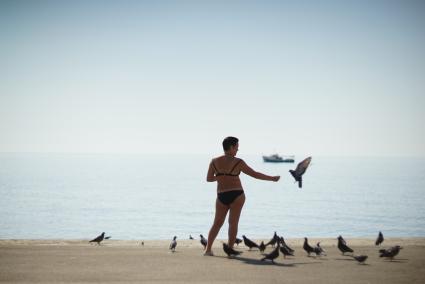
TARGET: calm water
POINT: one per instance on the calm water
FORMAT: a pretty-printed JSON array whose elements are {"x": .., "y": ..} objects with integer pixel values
[{"x": 156, "y": 197}]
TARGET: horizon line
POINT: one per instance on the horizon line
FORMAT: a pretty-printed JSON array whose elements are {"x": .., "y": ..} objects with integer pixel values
[{"x": 205, "y": 154}]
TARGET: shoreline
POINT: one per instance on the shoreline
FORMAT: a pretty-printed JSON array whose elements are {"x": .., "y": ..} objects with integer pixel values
[{"x": 189, "y": 243}]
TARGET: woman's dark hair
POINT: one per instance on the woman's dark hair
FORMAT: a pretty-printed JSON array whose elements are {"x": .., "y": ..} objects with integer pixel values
[{"x": 229, "y": 141}]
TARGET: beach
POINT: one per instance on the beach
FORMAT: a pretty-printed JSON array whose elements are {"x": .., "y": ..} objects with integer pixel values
[{"x": 127, "y": 261}]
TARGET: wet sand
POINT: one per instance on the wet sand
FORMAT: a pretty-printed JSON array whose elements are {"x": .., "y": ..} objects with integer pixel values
[{"x": 54, "y": 261}]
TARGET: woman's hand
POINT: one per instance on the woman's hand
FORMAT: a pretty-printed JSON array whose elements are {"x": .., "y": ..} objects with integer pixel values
[{"x": 276, "y": 178}]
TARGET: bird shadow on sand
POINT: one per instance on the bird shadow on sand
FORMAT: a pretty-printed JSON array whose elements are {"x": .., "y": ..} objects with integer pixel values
[
  {"x": 259, "y": 262},
  {"x": 318, "y": 258},
  {"x": 254, "y": 261},
  {"x": 351, "y": 260},
  {"x": 398, "y": 260}
]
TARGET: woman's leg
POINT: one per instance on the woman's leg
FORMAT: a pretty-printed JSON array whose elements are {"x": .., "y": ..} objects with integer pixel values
[
  {"x": 235, "y": 213},
  {"x": 220, "y": 216}
]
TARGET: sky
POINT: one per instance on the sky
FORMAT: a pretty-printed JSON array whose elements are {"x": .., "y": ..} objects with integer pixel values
[{"x": 335, "y": 78}]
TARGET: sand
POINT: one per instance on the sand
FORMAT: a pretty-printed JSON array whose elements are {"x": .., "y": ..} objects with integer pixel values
[{"x": 115, "y": 261}]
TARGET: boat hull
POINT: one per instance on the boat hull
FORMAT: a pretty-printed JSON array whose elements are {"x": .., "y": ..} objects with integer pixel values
[{"x": 275, "y": 160}]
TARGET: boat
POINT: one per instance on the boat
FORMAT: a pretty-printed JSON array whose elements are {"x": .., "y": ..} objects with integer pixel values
[{"x": 275, "y": 158}]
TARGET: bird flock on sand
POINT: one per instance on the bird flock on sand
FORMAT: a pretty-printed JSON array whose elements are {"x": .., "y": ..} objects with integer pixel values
[
  {"x": 281, "y": 247},
  {"x": 278, "y": 242}
]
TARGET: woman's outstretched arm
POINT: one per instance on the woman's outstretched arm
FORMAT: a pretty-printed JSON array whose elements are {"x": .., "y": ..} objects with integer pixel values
[
  {"x": 249, "y": 171},
  {"x": 210, "y": 175}
]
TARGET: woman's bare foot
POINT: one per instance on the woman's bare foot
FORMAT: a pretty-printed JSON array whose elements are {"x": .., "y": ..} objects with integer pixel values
[{"x": 208, "y": 253}]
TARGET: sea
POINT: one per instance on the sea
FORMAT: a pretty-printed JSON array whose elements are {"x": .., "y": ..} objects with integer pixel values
[{"x": 147, "y": 196}]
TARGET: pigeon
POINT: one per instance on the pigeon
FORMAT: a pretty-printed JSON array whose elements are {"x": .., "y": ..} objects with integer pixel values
[
  {"x": 230, "y": 251},
  {"x": 318, "y": 250},
  {"x": 173, "y": 244},
  {"x": 249, "y": 243},
  {"x": 360, "y": 258},
  {"x": 273, "y": 241},
  {"x": 238, "y": 241},
  {"x": 203, "y": 241},
  {"x": 273, "y": 255},
  {"x": 342, "y": 239},
  {"x": 262, "y": 247},
  {"x": 190, "y": 237},
  {"x": 309, "y": 249},
  {"x": 390, "y": 253},
  {"x": 98, "y": 239},
  {"x": 300, "y": 170},
  {"x": 107, "y": 238},
  {"x": 284, "y": 250},
  {"x": 380, "y": 239},
  {"x": 342, "y": 245},
  {"x": 282, "y": 242}
]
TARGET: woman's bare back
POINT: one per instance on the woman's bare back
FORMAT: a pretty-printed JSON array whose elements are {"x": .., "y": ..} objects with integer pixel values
[{"x": 227, "y": 171}]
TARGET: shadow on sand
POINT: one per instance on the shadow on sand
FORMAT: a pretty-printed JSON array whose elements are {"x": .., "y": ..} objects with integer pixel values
[
  {"x": 398, "y": 260},
  {"x": 254, "y": 261}
]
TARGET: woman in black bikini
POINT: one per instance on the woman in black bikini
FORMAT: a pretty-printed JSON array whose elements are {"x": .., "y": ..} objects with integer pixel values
[{"x": 230, "y": 195}]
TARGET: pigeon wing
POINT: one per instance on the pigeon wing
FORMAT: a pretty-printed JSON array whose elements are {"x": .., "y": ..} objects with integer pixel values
[{"x": 302, "y": 166}]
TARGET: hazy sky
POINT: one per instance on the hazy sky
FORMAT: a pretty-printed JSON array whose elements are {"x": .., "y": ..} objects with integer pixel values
[{"x": 298, "y": 77}]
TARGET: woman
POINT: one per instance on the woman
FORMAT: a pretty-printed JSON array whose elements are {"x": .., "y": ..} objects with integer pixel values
[{"x": 230, "y": 195}]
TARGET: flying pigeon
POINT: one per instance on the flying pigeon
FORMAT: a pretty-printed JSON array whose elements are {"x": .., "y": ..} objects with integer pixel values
[{"x": 300, "y": 170}]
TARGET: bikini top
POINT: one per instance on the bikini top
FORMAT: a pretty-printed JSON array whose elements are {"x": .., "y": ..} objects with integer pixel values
[{"x": 227, "y": 174}]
